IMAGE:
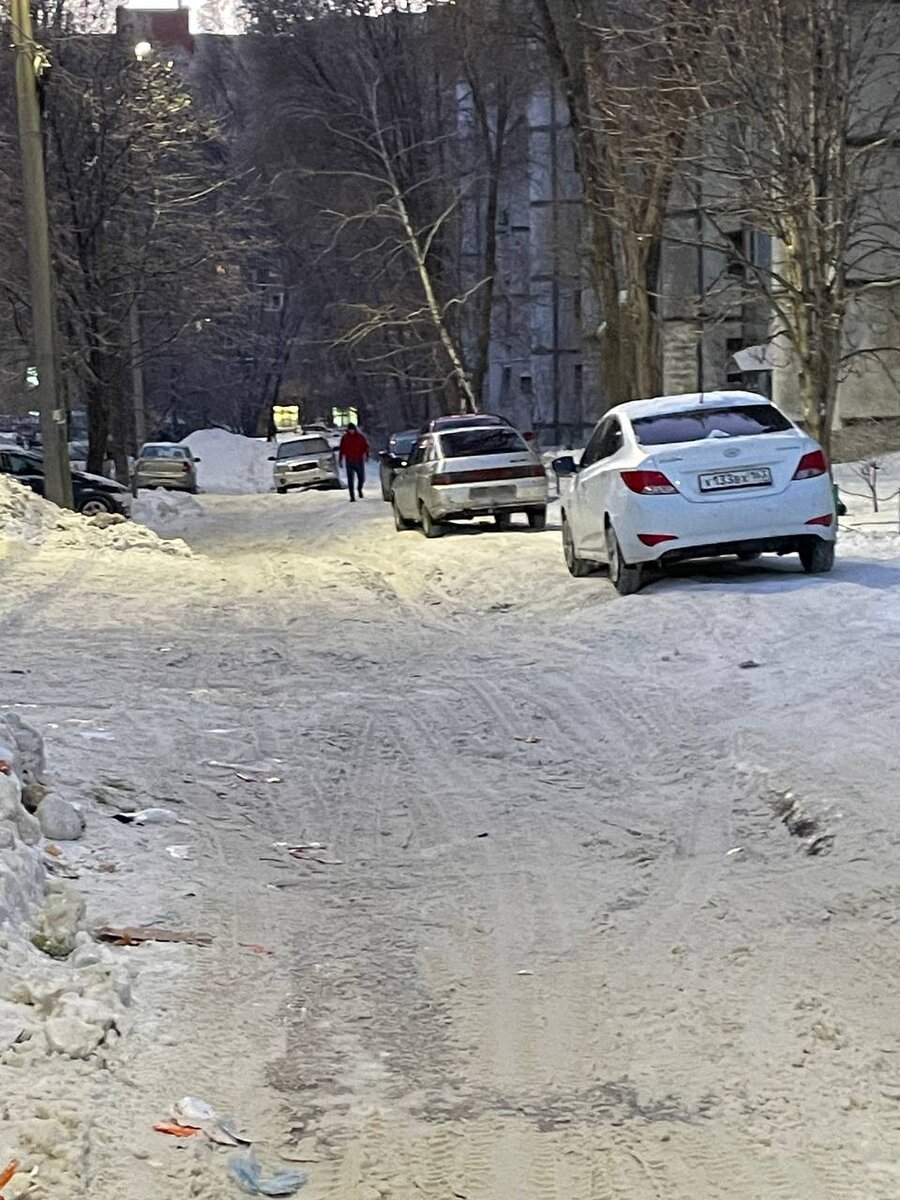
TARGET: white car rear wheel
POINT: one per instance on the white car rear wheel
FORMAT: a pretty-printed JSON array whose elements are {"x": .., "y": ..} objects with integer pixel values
[
  {"x": 626, "y": 579},
  {"x": 817, "y": 557}
]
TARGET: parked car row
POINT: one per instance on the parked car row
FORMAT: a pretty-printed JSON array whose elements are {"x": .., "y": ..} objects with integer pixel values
[{"x": 660, "y": 481}]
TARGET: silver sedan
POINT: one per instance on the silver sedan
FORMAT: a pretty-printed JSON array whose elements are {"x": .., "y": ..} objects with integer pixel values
[{"x": 470, "y": 472}]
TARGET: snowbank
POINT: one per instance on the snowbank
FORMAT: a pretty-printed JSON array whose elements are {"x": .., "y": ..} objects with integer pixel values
[
  {"x": 163, "y": 511},
  {"x": 863, "y": 530},
  {"x": 230, "y": 462},
  {"x": 33, "y": 521},
  {"x": 63, "y": 998}
]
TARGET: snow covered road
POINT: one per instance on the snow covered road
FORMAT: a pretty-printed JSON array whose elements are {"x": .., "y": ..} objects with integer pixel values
[{"x": 556, "y": 942}]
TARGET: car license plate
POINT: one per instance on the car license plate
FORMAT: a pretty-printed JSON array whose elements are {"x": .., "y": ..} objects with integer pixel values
[
  {"x": 746, "y": 477},
  {"x": 488, "y": 495}
]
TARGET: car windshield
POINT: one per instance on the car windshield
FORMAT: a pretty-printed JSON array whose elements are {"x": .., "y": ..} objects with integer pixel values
[
  {"x": 402, "y": 443},
  {"x": 314, "y": 445},
  {"x": 163, "y": 452},
  {"x": 473, "y": 443},
  {"x": 695, "y": 425}
]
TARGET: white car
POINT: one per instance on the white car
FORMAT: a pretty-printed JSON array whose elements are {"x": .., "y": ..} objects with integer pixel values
[{"x": 694, "y": 476}]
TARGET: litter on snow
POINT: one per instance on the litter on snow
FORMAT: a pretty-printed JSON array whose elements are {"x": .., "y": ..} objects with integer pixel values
[
  {"x": 136, "y": 935},
  {"x": 191, "y": 1113},
  {"x": 246, "y": 1172}
]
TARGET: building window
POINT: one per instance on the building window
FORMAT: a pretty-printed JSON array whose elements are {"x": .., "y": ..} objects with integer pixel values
[
  {"x": 274, "y": 299},
  {"x": 525, "y": 385},
  {"x": 506, "y": 380},
  {"x": 576, "y": 305},
  {"x": 579, "y": 381},
  {"x": 736, "y": 254}
]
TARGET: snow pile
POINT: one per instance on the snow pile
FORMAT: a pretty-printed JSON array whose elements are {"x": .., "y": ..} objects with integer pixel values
[
  {"x": 27, "y": 518},
  {"x": 230, "y": 462},
  {"x": 163, "y": 511},
  {"x": 63, "y": 999},
  {"x": 71, "y": 1009}
]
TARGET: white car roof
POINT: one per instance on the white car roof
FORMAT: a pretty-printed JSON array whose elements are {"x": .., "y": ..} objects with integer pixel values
[{"x": 686, "y": 402}]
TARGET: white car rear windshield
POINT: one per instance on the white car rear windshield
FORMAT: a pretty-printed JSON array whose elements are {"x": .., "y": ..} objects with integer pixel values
[
  {"x": 306, "y": 446},
  {"x": 695, "y": 425},
  {"x": 473, "y": 443}
]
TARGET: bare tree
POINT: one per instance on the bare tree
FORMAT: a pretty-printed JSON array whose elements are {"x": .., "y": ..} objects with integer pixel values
[
  {"x": 146, "y": 212},
  {"x": 393, "y": 129},
  {"x": 621, "y": 67},
  {"x": 803, "y": 115}
]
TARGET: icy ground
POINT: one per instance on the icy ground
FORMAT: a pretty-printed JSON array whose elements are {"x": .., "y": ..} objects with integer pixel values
[{"x": 563, "y": 937}]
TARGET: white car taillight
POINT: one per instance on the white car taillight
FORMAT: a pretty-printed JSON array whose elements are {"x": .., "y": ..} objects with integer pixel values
[
  {"x": 811, "y": 465},
  {"x": 648, "y": 483}
]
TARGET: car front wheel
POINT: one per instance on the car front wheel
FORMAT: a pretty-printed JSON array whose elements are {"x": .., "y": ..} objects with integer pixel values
[
  {"x": 817, "y": 558},
  {"x": 92, "y": 506},
  {"x": 579, "y": 567},
  {"x": 626, "y": 579}
]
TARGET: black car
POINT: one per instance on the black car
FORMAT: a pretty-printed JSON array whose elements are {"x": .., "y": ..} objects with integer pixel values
[
  {"x": 394, "y": 456},
  {"x": 92, "y": 493}
]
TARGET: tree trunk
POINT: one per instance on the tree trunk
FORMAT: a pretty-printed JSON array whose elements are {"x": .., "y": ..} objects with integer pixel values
[{"x": 98, "y": 425}]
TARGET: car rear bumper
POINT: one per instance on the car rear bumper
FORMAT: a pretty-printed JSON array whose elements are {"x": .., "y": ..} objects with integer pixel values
[
  {"x": 178, "y": 483},
  {"x": 481, "y": 500},
  {"x": 767, "y": 524}
]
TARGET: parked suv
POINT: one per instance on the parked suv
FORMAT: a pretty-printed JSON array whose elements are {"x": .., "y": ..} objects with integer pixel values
[
  {"x": 303, "y": 462},
  {"x": 470, "y": 472},
  {"x": 92, "y": 493}
]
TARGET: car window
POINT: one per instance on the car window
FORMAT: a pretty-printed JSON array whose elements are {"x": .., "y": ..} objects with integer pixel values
[
  {"x": 420, "y": 453},
  {"x": 303, "y": 446},
  {"x": 473, "y": 443},
  {"x": 403, "y": 444},
  {"x": 745, "y": 420},
  {"x": 606, "y": 441},
  {"x": 17, "y": 464}
]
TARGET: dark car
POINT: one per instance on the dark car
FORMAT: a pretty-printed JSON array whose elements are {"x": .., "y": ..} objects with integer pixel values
[
  {"x": 396, "y": 455},
  {"x": 92, "y": 493}
]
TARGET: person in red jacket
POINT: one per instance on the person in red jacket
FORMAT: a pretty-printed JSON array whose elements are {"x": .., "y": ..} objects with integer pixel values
[{"x": 353, "y": 452}]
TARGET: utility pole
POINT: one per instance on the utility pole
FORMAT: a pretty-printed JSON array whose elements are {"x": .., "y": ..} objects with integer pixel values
[{"x": 30, "y": 63}]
